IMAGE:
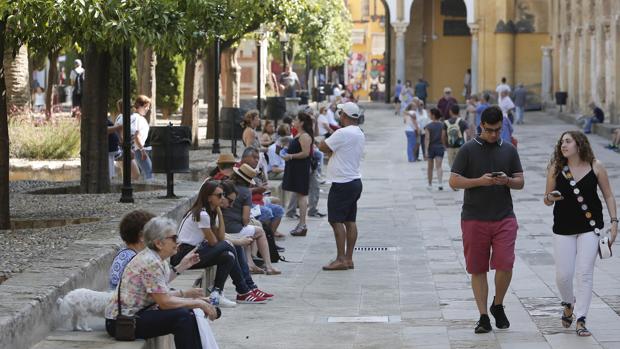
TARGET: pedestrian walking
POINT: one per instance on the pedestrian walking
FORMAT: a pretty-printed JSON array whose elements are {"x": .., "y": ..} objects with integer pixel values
[
  {"x": 454, "y": 129},
  {"x": 77, "y": 76},
  {"x": 488, "y": 168},
  {"x": 434, "y": 144},
  {"x": 139, "y": 129},
  {"x": 421, "y": 89},
  {"x": 397, "y": 90},
  {"x": 506, "y": 104},
  {"x": 445, "y": 102},
  {"x": 406, "y": 96},
  {"x": 467, "y": 84},
  {"x": 470, "y": 116},
  {"x": 484, "y": 104},
  {"x": 412, "y": 130},
  {"x": 573, "y": 177},
  {"x": 502, "y": 86},
  {"x": 345, "y": 148},
  {"x": 520, "y": 94}
]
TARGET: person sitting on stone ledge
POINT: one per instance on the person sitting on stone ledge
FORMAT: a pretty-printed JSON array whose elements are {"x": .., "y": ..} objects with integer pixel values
[
  {"x": 224, "y": 169},
  {"x": 615, "y": 141},
  {"x": 597, "y": 117},
  {"x": 146, "y": 282},
  {"x": 202, "y": 230},
  {"x": 266, "y": 138},
  {"x": 275, "y": 165}
]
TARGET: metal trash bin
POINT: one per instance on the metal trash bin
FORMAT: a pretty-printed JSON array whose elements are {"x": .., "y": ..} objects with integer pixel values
[
  {"x": 171, "y": 146},
  {"x": 560, "y": 98},
  {"x": 276, "y": 108}
]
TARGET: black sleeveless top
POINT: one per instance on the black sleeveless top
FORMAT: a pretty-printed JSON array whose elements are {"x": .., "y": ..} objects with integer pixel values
[{"x": 568, "y": 214}]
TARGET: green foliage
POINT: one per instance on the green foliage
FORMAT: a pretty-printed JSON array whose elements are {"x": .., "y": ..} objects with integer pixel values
[
  {"x": 169, "y": 74},
  {"x": 58, "y": 140},
  {"x": 115, "y": 78}
]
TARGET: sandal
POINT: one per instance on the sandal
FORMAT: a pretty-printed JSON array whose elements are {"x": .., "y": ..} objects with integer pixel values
[
  {"x": 273, "y": 272},
  {"x": 567, "y": 320},
  {"x": 581, "y": 329}
]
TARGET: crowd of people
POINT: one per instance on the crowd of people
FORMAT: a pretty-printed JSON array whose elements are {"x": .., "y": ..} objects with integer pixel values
[{"x": 233, "y": 223}]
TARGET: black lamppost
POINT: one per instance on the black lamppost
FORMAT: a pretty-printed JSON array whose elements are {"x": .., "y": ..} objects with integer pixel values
[
  {"x": 126, "y": 190},
  {"x": 260, "y": 35},
  {"x": 284, "y": 42},
  {"x": 216, "y": 99}
]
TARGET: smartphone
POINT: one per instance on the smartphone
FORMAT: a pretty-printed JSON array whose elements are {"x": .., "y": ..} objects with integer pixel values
[
  {"x": 555, "y": 194},
  {"x": 267, "y": 193},
  {"x": 496, "y": 174}
]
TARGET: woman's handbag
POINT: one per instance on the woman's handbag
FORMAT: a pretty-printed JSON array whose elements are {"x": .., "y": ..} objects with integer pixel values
[
  {"x": 125, "y": 326},
  {"x": 604, "y": 248}
]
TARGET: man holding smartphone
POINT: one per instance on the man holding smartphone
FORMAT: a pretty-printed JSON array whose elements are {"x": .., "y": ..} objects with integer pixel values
[{"x": 488, "y": 168}]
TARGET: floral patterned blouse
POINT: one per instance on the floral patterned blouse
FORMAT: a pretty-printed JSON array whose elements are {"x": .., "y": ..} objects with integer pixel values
[{"x": 146, "y": 273}]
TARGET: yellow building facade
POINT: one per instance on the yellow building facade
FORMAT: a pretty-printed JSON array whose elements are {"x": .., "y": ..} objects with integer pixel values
[
  {"x": 364, "y": 71},
  {"x": 439, "y": 40}
]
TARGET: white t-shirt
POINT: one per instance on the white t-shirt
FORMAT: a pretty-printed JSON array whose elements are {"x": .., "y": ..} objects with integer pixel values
[
  {"x": 347, "y": 145},
  {"x": 322, "y": 120},
  {"x": 422, "y": 117},
  {"x": 137, "y": 123},
  {"x": 506, "y": 104},
  {"x": 409, "y": 115},
  {"x": 274, "y": 159},
  {"x": 190, "y": 231},
  {"x": 502, "y": 87},
  {"x": 331, "y": 119}
]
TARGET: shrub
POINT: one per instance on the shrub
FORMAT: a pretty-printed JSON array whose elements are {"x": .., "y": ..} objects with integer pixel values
[
  {"x": 169, "y": 75},
  {"x": 57, "y": 140}
]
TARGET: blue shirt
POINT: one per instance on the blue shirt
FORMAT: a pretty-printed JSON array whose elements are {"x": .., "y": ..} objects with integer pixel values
[
  {"x": 398, "y": 89},
  {"x": 118, "y": 266},
  {"x": 479, "y": 111},
  {"x": 506, "y": 130}
]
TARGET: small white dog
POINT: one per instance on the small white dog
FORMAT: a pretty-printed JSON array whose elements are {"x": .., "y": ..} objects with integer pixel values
[{"x": 80, "y": 303}]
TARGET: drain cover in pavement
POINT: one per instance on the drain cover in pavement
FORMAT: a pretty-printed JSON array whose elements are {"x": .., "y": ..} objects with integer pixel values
[
  {"x": 375, "y": 249},
  {"x": 363, "y": 319}
]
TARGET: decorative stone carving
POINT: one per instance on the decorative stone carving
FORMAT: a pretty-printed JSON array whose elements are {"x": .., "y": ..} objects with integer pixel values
[{"x": 505, "y": 27}]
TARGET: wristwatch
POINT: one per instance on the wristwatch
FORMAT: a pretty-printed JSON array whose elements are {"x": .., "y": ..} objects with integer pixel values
[{"x": 175, "y": 270}]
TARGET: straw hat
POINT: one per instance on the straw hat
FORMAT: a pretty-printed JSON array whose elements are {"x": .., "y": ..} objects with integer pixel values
[
  {"x": 246, "y": 172},
  {"x": 226, "y": 159}
]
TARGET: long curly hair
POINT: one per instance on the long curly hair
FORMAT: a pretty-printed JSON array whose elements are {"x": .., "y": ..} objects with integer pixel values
[{"x": 558, "y": 161}]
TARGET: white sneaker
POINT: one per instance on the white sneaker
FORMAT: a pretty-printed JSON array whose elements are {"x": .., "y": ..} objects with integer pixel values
[
  {"x": 218, "y": 299},
  {"x": 429, "y": 187}
]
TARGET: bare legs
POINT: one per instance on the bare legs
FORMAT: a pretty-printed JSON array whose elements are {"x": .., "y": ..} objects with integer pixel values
[
  {"x": 481, "y": 288},
  {"x": 263, "y": 247},
  {"x": 429, "y": 170},
  {"x": 345, "y": 235}
]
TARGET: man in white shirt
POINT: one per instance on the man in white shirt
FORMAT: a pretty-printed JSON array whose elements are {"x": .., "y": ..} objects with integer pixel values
[
  {"x": 346, "y": 148},
  {"x": 275, "y": 165},
  {"x": 503, "y": 86}
]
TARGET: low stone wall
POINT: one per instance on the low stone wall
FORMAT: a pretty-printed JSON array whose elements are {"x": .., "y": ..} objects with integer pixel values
[
  {"x": 52, "y": 170},
  {"x": 28, "y": 311}
]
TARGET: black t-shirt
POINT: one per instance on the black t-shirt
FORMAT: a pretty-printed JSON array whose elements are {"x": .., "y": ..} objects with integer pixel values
[
  {"x": 568, "y": 214},
  {"x": 477, "y": 157}
]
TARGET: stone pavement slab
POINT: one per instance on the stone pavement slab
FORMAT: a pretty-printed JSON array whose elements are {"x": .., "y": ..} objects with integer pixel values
[{"x": 423, "y": 280}]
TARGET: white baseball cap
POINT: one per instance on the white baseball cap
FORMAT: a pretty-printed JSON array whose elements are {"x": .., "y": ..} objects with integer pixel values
[{"x": 351, "y": 109}]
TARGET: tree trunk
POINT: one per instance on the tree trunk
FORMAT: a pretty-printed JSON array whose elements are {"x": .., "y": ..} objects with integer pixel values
[
  {"x": 17, "y": 80},
  {"x": 232, "y": 70},
  {"x": 94, "y": 176},
  {"x": 191, "y": 86},
  {"x": 211, "y": 99},
  {"x": 51, "y": 83},
  {"x": 5, "y": 212},
  {"x": 146, "y": 62}
]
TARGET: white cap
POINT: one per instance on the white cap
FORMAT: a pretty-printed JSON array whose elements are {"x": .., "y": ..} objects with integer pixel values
[{"x": 351, "y": 109}]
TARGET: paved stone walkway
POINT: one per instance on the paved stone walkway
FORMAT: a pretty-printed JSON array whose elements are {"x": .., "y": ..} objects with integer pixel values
[{"x": 421, "y": 287}]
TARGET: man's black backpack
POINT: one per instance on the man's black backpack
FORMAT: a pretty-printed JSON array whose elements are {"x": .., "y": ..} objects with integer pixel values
[{"x": 273, "y": 251}]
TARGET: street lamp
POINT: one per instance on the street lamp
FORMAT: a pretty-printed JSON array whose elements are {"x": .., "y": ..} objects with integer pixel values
[
  {"x": 284, "y": 38},
  {"x": 216, "y": 99},
  {"x": 126, "y": 190}
]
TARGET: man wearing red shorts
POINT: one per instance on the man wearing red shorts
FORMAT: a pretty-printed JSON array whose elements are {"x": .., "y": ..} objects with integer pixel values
[{"x": 488, "y": 168}]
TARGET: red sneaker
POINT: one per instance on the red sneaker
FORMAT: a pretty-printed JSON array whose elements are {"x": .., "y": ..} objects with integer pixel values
[
  {"x": 262, "y": 294},
  {"x": 250, "y": 298}
]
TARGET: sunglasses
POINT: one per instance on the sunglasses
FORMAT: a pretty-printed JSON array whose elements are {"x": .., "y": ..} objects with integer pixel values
[
  {"x": 174, "y": 238},
  {"x": 219, "y": 195}
]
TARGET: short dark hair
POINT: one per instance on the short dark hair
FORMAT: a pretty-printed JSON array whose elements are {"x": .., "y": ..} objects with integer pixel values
[
  {"x": 249, "y": 151},
  {"x": 504, "y": 79},
  {"x": 492, "y": 115},
  {"x": 486, "y": 97},
  {"x": 287, "y": 120},
  {"x": 455, "y": 109},
  {"x": 435, "y": 113},
  {"x": 132, "y": 224}
]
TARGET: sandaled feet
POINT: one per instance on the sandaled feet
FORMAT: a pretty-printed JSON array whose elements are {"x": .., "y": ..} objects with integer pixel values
[
  {"x": 580, "y": 328},
  {"x": 273, "y": 271},
  {"x": 256, "y": 270},
  {"x": 349, "y": 264},
  {"x": 567, "y": 315},
  {"x": 279, "y": 236},
  {"x": 335, "y": 265}
]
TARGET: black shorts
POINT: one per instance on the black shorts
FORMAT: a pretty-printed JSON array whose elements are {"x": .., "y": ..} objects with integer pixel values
[
  {"x": 396, "y": 100},
  {"x": 342, "y": 201},
  {"x": 435, "y": 151}
]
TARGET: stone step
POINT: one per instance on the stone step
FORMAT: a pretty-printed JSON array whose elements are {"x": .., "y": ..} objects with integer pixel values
[{"x": 86, "y": 340}]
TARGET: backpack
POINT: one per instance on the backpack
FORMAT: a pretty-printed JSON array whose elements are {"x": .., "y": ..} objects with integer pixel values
[
  {"x": 274, "y": 255},
  {"x": 455, "y": 136},
  {"x": 79, "y": 83}
]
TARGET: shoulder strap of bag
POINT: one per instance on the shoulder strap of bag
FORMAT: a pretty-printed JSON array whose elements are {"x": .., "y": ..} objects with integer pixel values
[
  {"x": 120, "y": 280},
  {"x": 573, "y": 183}
]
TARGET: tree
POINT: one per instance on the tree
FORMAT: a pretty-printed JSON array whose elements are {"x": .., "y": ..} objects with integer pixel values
[
  {"x": 169, "y": 73},
  {"x": 17, "y": 80},
  {"x": 5, "y": 214},
  {"x": 146, "y": 63}
]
